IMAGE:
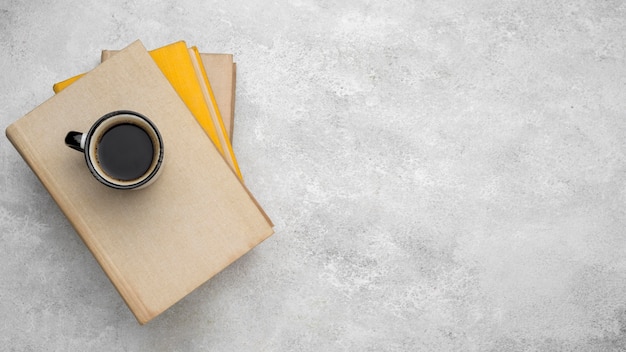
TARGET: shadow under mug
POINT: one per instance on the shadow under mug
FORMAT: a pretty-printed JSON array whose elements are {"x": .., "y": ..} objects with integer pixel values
[{"x": 123, "y": 149}]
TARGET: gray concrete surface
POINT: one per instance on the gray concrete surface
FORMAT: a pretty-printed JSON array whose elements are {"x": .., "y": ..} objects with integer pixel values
[{"x": 443, "y": 175}]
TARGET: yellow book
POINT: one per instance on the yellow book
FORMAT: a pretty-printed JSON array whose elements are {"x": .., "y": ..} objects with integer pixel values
[
  {"x": 209, "y": 98},
  {"x": 64, "y": 84},
  {"x": 176, "y": 64}
]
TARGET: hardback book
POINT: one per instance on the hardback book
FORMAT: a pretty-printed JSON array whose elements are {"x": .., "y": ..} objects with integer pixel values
[
  {"x": 188, "y": 77},
  {"x": 157, "y": 244}
]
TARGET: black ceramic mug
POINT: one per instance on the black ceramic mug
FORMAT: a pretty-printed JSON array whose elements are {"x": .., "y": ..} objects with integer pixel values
[{"x": 123, "y": 149}]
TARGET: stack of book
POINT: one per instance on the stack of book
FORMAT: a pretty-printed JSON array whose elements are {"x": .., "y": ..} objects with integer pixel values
[{"x": 156, "y": 244}]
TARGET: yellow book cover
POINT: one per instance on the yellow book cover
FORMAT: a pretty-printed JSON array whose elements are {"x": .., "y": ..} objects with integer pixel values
[
  {"x": 175, "y": 63},
  {"x": 211, "y": 103}
]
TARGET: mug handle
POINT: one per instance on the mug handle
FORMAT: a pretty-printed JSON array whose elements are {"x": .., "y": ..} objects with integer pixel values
[{"x": 76, "y": 140}]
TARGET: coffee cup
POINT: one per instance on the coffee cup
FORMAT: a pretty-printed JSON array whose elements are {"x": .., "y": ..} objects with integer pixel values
[{"x": 123, "y": 149}]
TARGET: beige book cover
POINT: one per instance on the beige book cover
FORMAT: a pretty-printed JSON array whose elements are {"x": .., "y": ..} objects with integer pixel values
[
  {"x": 157, "y": 244},
  {"x": 222, "y": 73}
]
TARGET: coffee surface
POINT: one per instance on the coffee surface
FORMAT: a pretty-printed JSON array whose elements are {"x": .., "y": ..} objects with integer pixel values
[{"x": 125, "y": 152}]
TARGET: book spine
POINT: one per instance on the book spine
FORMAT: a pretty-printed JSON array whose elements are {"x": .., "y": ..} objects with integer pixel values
[
  {"x": 211, "y": 103},
  {"x": 232, "y": 105}
]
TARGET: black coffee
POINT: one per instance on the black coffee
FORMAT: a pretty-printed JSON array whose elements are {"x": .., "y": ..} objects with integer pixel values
[{"x": 125, "y": 152}]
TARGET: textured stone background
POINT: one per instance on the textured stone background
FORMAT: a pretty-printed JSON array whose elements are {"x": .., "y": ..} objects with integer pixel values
[{"x": 443, "y": 175}]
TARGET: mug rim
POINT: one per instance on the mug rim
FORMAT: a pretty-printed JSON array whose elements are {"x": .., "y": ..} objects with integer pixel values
[{"x": 145, "y": 179}]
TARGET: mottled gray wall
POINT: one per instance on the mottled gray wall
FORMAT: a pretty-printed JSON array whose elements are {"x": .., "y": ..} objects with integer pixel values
[{"x": 443, "y": 175}]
